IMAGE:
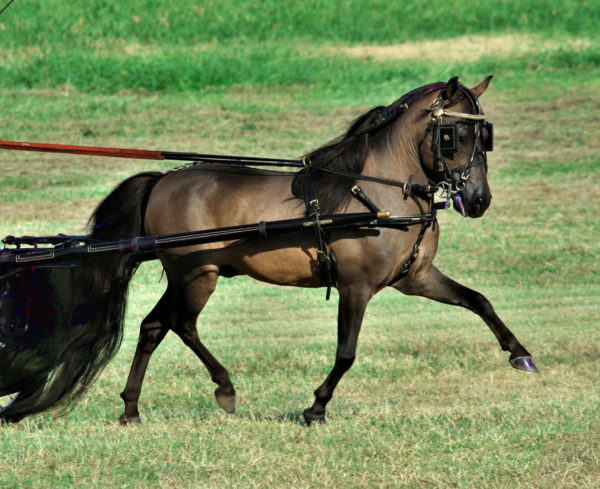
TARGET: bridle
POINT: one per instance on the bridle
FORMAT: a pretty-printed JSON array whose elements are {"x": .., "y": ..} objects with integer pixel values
[{"x": 444, "y": 141}]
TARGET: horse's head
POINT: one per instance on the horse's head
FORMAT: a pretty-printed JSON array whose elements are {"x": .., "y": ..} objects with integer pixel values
[{"x": 453, "y": 149}]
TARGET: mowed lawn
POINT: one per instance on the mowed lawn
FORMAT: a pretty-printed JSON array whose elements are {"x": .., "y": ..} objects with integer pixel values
[{"x": 431, "y": 401}]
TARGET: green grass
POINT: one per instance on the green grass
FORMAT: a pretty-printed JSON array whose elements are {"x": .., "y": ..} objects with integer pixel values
[
  {"x": 106, "y": 47},
  {"x": 176, "y": 68},
  {"x": 431, "y": 401},
  {"x": 184, "y": 22}
]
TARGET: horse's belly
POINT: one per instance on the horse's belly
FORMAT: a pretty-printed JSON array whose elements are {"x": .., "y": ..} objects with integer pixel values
[{"x": 277, "y": 260}]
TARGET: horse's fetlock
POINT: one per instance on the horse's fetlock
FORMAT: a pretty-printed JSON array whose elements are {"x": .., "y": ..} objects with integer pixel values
[
  {"x": 225, "y": 390},
  {"x": 223, "y": 381}
]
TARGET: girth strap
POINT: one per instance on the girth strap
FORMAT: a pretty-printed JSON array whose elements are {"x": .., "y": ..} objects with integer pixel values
[
  {"x": 413, "y": 255},
  {"x": 326, "y": 259}
]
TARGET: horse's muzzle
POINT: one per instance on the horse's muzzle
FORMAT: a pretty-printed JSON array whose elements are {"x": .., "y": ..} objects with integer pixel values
[{"x": 477, "y": 206}]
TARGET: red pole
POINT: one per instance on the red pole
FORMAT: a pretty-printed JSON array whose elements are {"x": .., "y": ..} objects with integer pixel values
[
  {"x": 83, "y": 150},
  {"x": 145, "y": 154}
]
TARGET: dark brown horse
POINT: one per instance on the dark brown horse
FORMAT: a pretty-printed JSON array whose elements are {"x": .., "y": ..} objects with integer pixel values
[{"x": 433, "y": 138}]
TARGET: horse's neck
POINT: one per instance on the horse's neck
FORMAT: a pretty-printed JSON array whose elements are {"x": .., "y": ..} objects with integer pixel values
[{"x": 398, "y": 160}]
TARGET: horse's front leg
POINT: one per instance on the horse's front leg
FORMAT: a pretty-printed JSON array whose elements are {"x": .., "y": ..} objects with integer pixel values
[
  {"x": 433, "y": 284},
  {"x": 351, "y": 310}
]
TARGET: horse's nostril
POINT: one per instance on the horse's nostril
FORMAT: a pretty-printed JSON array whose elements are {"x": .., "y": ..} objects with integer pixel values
[{"x": 481, "y": 204}]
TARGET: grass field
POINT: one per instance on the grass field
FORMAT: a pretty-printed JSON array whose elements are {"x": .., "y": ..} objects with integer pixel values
[{"x": 431, "y": 401}]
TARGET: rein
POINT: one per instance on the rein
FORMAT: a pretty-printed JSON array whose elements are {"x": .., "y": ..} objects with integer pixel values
[{"x": 198, "y": 158}]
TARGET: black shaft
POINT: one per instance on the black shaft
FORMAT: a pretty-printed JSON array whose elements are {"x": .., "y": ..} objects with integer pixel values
[{"x": 146, "y": 245}]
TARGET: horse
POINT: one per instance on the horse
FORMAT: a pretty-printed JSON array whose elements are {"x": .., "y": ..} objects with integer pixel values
[{"x": 433, "y": 139}]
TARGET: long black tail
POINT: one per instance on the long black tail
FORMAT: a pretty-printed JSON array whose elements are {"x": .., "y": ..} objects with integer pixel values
[{"x": 92, "y": 314}]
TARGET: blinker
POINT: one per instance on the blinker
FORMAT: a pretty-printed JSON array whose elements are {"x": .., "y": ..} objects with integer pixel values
[
  {"x": 488, "y": 143},
  {"x": 448, "y": 139}
]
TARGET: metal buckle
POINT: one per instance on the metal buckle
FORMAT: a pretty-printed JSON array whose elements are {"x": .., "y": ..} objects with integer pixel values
[{"x": 444, "y": 189}]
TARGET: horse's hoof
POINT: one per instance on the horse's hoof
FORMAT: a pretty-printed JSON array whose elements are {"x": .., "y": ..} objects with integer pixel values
[
  {"x": 524, "y": 363},
  {"x": 310, "y": 417},
  {"x": 124, "y": 420},
  {"x": 226, "y": 401}
]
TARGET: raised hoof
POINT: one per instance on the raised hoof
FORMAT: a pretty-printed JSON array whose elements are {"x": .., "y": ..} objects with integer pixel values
[
  {"x": 124, "y": 420},
  {"x": 524, "y": 363},
  {"x": 226, "y": 401},
  {"x": 310, "y": 417}
]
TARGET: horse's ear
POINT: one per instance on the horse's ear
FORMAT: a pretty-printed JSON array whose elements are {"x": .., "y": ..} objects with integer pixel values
[
  {"x": 451, "y": 88},
  {"x": 482, "y": 87}
]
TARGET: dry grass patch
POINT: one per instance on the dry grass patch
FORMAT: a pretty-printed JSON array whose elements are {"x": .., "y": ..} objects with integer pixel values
[
  {"x": 561, "y": 129},
  {"x": 464, "y": 49},
  {"x": 23, "y": 215}
]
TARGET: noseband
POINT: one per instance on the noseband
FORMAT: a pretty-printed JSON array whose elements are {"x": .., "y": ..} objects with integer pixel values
[{"x": 444, "y": 141}]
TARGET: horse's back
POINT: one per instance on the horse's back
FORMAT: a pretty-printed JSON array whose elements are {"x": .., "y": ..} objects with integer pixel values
[{"x": 214, "y": 196}]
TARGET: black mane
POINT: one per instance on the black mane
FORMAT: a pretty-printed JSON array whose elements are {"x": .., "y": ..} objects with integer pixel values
[{"x": 346, "y": 153}]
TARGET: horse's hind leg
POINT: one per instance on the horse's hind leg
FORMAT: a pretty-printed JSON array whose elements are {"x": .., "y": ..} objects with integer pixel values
[
  {"x": 176, "y": 310},
  {"x": 152, "y": 331},
  {"x": 433, "y": 284},
  {"x": 190, "y": 304},
  {"x": 351, "y": 310}
]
